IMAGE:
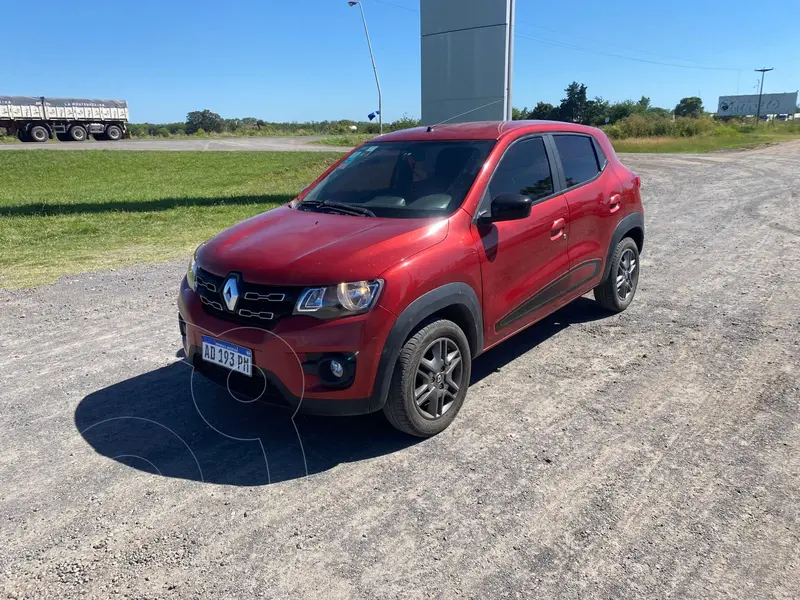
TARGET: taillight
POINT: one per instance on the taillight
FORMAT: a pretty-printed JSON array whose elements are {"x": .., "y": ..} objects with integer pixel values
[{"x": 637, "y": 181}]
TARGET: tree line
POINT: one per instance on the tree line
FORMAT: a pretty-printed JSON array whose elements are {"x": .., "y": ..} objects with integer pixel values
[
  {"x": 620, "y": 120},
  {"x": 207, "y": 122},
  {"x": 576, "y": 107}
]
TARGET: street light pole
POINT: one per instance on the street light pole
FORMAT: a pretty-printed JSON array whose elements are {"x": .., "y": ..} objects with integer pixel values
[
  {"x": 374, "y": 68},
  {"x": 761, "y": 91}
]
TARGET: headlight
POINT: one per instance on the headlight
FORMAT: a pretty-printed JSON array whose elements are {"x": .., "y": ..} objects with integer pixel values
[
  {"x": 191, "y": 272},
  {"x": 340, "y": 300}
]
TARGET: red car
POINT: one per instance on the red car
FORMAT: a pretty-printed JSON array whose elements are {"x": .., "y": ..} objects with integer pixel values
[{"x": 377, "y": 286}]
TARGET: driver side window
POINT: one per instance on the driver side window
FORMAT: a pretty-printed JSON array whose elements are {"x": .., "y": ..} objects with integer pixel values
[{"x": 524, "y": 169}]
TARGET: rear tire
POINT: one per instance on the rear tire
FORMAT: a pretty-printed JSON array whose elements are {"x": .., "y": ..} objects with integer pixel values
[
  {"x": 430, "y": 380},
  {"x": 615, "y": 293},
  {"x": 77, "y": 133},
  {"x": 38, "y": 133},
  {"x": 113, "y": 133}
]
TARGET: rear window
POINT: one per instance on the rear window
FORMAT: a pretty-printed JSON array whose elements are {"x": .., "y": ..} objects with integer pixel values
[{"x": 577, "y": 158}]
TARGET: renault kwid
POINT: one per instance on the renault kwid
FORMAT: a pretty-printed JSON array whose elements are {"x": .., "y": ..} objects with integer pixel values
[{"x": 379, "y": 284}]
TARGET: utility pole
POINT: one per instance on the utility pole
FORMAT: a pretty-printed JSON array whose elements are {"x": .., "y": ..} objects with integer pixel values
[
  {"x": 761, "y": 91},
  {"x": 374, "y": 68}
]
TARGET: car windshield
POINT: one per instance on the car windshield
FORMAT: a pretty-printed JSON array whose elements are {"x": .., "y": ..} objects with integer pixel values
[{"x": 402, "y": 179}]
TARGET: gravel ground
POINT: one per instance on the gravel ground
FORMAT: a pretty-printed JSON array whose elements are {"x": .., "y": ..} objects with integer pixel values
[
  {"x": 271, "y": 144},
  {"x": 649, "y": 454}
]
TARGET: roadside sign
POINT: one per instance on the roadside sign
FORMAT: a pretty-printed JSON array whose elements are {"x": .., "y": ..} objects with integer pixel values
[{"x": 771, "y": 104}]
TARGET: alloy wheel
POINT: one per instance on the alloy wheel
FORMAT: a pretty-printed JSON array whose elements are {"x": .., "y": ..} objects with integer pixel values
[
  {"x": 438, "y": 379},
  {"x": 627, "y": 274}
]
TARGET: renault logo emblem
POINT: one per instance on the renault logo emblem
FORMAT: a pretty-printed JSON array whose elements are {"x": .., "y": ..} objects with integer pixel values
[{"x": 230, "y": 292}]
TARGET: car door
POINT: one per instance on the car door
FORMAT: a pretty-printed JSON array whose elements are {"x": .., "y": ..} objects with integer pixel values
[
  {"x": 523, "y": 262},
  {"x": 593, "y": 195}
]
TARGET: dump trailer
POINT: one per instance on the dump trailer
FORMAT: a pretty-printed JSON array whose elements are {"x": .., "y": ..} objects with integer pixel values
[{"x": 37, "y": 119}]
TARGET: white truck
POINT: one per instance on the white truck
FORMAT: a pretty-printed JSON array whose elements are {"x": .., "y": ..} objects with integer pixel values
[{"x": 37, "y": 119}]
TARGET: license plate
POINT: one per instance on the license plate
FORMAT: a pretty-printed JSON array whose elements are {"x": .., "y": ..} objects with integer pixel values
[{"x": 228, "y": 355}]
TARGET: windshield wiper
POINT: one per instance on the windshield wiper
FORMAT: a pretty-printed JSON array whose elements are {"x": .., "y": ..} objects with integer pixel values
[{"x": 350, "y": 209}]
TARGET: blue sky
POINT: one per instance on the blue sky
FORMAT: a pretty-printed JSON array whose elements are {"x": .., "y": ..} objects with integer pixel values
[{"x": 297, "y": 60}]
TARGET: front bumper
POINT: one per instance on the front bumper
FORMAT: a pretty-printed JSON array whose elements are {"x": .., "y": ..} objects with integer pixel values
[{"x": 285, "y": 356}]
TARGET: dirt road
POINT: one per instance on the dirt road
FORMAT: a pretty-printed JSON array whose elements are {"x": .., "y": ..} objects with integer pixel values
[{"x": 650, "y": 454}]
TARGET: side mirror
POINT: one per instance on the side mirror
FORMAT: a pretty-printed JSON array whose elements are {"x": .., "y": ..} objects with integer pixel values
[{"x": 506, "y": 207}]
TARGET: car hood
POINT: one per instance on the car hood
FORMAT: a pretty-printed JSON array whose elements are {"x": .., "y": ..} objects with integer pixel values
[{"x": 285, "y": 246}]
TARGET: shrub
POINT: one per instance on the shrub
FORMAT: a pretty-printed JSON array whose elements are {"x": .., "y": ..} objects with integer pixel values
[
  {"x": 404, "y": 122},
  {"x": 726, "y": 130},
  {"x": 614, "y": 132},
  {"x": 690, "y": 126},
  {"x": 176, "y": 128},
  {"x": 653, "y": 124},
  {"x": 634, "y": 126}
]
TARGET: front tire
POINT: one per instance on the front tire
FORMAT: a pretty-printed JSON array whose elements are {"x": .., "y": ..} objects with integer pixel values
[
  {"x": 615, "y": 293},
  {"x": 430, "y": 380}
]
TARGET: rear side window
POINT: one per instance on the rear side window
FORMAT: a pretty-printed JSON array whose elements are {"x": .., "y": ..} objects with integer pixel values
[
  {"x": 524, "y": 169},
  {"x": 601, "y": 157},
  {"x": 577, "y": 157}
]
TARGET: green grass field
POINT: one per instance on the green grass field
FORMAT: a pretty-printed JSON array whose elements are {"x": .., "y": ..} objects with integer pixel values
[
  {"x": 351, "y": 139},
  {"x": 74, "y": 211},
  {"x": 702, "y": 143}
]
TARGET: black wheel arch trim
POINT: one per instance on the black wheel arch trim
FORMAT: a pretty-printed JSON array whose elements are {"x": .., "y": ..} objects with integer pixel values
[
  {"x": 632, "y": 221},
  {"x": 457, "y": 294}
]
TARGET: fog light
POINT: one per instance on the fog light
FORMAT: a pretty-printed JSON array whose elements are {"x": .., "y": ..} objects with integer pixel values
[
  {"x": 333, "y": 370},
  {"x": 337, "y": 370}
]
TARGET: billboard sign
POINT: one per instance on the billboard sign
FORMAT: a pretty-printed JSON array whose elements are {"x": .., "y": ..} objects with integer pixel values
[
  {"x": 771, "y": 104},
  {"x": 466, "y": 52}
]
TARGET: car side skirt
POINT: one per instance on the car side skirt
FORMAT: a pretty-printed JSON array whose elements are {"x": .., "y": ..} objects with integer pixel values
[{"x": 553, "y": 292}]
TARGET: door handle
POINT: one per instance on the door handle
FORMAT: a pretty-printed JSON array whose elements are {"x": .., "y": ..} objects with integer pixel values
[
  {"x": 557, "y": 229},
  {"x": 614, "y": 202}
]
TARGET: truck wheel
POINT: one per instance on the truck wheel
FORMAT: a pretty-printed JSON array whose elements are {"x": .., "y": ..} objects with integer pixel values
[
  {"x": 77, "y": 133},
  {"x": 39, "y": 133},
  {"x": 430, "y": 380},
  {"x": 113, "y": 133},
  {"x": 616, "y": 291}
]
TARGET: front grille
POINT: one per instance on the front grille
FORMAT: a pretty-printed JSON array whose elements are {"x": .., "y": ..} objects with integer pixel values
[{"x": 260, "y": 305}]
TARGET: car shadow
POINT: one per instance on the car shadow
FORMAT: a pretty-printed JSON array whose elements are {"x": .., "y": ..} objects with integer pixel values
[
  {"x": 174, "y": 423},
  {"x": 581, "y": 310},
  {"x": 159, "y": 204}
]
